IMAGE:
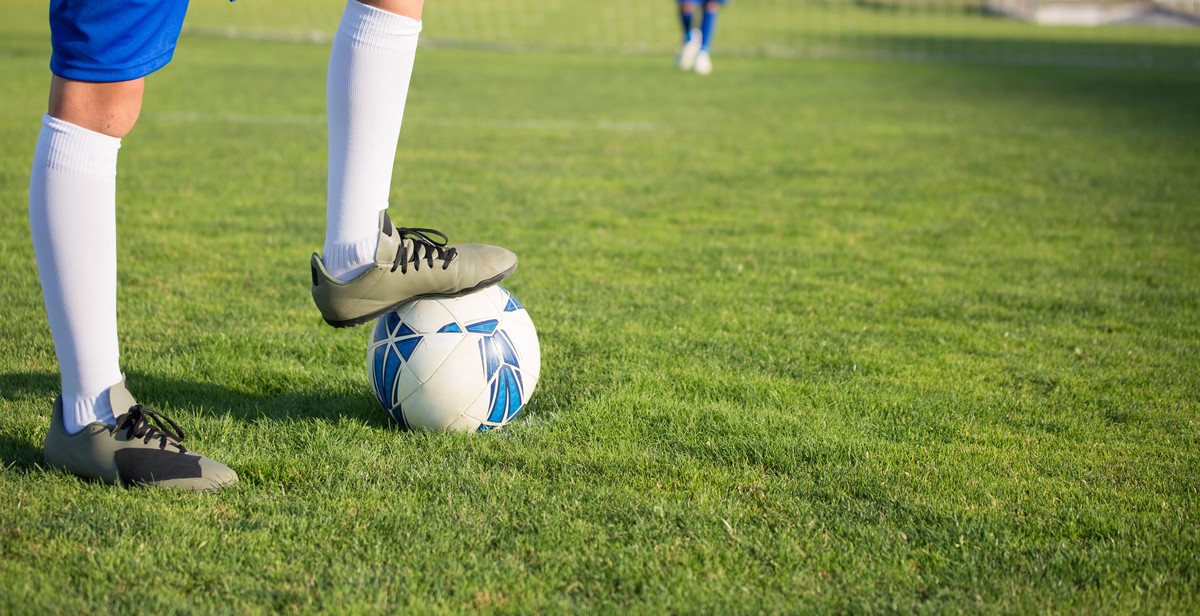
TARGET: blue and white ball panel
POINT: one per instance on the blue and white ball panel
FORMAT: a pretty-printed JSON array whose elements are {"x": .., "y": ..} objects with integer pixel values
[
  {"x": 509, "y": 386},
  {"x": 393, "y": 343},
  {"x": 106, "y": 42},
  {"x": 521, "y": 338}
]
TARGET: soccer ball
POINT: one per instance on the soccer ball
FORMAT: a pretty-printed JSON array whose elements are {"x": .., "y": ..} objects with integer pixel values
[{"x": 465, "y": 363}]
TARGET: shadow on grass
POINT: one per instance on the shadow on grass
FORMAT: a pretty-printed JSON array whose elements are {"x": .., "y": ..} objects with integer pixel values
[
  {"x": 19, "y": 450},
  {"x": 1034, "y": 50},
  {"x": 1118, "y": 80},
  {"x": 22, "y": 451},
  {"x": 20, "y": 454}
]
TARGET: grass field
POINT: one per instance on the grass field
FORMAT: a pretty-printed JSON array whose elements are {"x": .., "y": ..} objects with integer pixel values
[
  {"x": 952, "y": 31},
  {"x": 817, "y": 336}
]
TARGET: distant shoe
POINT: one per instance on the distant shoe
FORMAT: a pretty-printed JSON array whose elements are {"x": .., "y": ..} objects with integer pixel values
[
  {"x": 686, "y": 58},
  {"x": 409, "y": 263},
  {"x": 140, "y": 450},
  {"x": 703, "y": 63}
]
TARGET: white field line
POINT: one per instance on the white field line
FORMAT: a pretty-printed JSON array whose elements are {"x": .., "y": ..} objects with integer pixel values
[{"x": 618, "y": 126}]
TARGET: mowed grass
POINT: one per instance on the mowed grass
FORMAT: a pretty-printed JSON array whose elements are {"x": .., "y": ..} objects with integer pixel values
[{"x": 817, "y": 336}]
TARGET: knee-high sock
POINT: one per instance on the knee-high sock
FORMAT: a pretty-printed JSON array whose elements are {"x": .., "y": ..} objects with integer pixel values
[
  {"x": 708, "y": 27},
  {"x": 72, "y": 217},
  {"x": 685, "y": 19},
  {"x": 369, "y": 70}
]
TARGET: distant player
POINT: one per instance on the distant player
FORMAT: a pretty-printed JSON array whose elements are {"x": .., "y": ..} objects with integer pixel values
[
  {"x": 694, "y": 54},
  {"x": 102, "y": 51}
]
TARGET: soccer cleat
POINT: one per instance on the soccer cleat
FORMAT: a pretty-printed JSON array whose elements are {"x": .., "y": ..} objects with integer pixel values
[
  {"x": 703, "y": 63},
  {"x": 686, "y": 58},
  {"x": 139, "y": 451},
  {"x": 409, "y": 263}
]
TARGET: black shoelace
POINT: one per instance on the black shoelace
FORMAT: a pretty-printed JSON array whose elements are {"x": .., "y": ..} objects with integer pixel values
[
  {"x": 147, "y": 424},
  {"x": 424, "y": 248}
]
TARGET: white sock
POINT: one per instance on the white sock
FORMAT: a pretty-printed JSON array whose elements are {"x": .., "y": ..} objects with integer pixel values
[
  {"x": 369, "y": 70},
  {"x": 73, "y": 220}
]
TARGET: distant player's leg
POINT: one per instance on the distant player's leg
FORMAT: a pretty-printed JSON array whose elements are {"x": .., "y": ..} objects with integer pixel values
[
  {"x": 708, "y": 28},
  {"x": 97, "y": 430},
  {"x": 369, "y": 266},
  {"x": 686, "y": 58}
]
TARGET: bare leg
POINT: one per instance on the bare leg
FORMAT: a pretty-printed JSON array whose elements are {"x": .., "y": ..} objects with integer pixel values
[
  {"x": 108, "y": 108},
  {"x": 407, "y": 8}
]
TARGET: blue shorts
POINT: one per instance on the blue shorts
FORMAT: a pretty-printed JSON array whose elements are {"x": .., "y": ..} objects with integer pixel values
[
  {"x": 701, "y": 1},
  {"x": 113, "y": 40}
]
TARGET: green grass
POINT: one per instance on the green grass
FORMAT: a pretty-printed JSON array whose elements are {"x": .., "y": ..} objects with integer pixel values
[
  {"x": 946, "y": 30},
  {"x": 817, "y": 336}
]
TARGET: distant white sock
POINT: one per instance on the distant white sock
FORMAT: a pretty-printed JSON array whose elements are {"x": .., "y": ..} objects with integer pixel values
[
  {"x": 369, "y": 70},
  {"x": 72, "y": 217}
]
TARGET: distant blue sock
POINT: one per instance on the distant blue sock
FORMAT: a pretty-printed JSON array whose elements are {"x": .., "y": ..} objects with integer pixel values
[
  {"x": 686, "y": 18},
  {"x": 707, "y": 27}
]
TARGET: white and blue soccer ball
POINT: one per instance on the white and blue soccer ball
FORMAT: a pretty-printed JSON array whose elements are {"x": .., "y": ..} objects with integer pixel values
[{"x": 466, "y": 363}]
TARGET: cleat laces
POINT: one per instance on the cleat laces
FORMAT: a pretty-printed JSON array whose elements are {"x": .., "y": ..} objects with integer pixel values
[
  {"x": 146, "y": 423},
  {"x": 426, "y": 245}
]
